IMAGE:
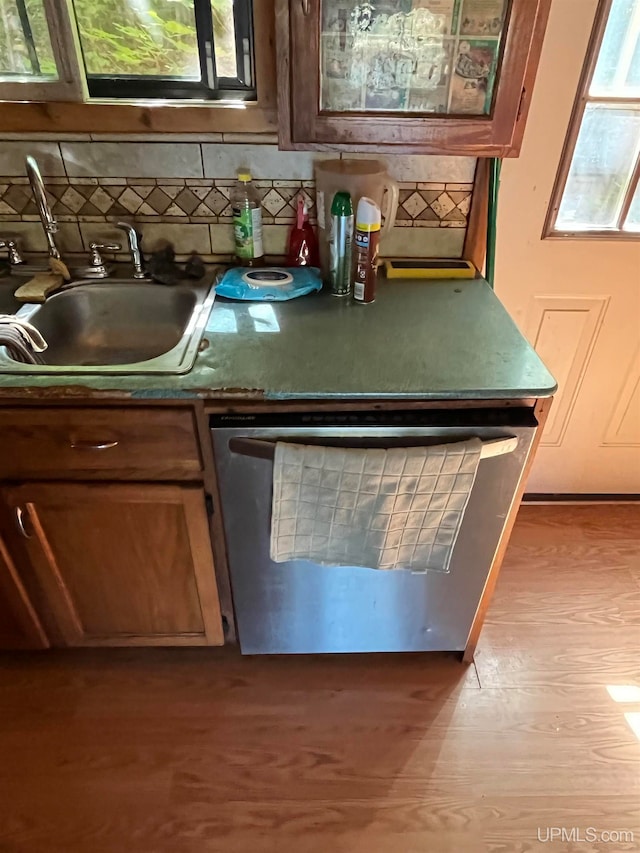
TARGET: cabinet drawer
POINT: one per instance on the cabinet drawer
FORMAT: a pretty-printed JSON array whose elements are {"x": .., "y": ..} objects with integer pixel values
[{"x": 137, "y": 441}]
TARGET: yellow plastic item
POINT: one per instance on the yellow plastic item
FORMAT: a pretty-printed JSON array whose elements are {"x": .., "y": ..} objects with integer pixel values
[
  {"x": 430, "y": 269},
  {"x": 59, "y": 267},
  {"x": 244, "y": 177},
  {"x": 39, "y": 287}
]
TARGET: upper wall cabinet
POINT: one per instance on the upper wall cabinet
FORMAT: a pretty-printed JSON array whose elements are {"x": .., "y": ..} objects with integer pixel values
[{"x": 427, "y": 76}]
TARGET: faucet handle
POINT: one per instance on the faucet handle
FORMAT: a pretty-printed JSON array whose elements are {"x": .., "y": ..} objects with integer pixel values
[
  {"x": 11, "y": 246},
  {"x": 96, "y": 263},
  {"x": 96, "y": 267},
  {"x": 106, "y": 247}
]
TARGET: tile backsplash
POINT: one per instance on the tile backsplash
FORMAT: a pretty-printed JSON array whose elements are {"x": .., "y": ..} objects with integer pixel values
[{"x": 179, "y": 191}]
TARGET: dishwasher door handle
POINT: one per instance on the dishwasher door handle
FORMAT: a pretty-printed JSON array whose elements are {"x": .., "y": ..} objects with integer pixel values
[
  {"x": 260, "y": 449},
  {"x": 498, "y": 446}
]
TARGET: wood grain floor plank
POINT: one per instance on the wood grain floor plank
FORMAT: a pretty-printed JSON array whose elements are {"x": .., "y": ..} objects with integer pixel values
[
  {"x": 202, "y": 751},
  {"x": 542, "y": 524},
  {"x": 566, "y": 608}
]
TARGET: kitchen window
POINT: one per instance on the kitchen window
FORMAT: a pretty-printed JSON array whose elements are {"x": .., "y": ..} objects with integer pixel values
[
  {"x": 167, "y": 48},
  {"x": 25, "y": 43},
  {"x": 597, "y": 191},
  {"x": 128, "y": 49}
]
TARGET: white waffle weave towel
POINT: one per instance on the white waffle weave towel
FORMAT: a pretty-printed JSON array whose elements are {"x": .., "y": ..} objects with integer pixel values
[{"x": 385, "y": 509}]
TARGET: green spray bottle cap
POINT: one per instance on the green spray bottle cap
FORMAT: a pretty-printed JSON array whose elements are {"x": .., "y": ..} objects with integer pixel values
[{"x": 342, "y": 205}]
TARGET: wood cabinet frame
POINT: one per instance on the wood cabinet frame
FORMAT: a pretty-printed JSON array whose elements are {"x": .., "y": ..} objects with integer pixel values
[
  {"x": 14, "y": 594},
  {"x": 66, "y": 618},
  {"x": 304, "y": 126},
  {"x": 183, "y": 475}
]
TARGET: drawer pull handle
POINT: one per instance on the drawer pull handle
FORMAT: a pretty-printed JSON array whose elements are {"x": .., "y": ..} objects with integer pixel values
[
  {"x": 305, "y": 7},
  {"x": 20, "y": 523},
  {"x": 93, "y": 445}
]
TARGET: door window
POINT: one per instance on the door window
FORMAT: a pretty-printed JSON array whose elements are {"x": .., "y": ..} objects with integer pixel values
[{"x": 597, "y": 189}]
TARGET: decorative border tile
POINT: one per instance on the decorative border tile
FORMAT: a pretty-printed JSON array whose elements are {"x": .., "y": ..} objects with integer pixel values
[{"x": 197, "y": 200}]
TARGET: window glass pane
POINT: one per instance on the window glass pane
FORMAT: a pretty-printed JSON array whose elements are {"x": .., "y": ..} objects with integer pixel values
[
  {"x": 618, "y": 68},
  {"x": 224, "y": 38},
  {"x": 603, "y": 160},
  {"x": 25, "y": 45},
  {"x": 152, "y": 38},
  {"x": 425, "y": 56},
  {"x": 633, "y": 219}
]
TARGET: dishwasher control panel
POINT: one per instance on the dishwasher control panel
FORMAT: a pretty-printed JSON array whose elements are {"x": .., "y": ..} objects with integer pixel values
[{"x": 402, "y": 418}]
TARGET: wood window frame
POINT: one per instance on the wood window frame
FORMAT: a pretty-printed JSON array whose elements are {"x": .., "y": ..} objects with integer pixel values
[
  {"x": 59, "y": 107},
  {"x": 68, "y": 85},
  {"x": 550, "y": 231}
]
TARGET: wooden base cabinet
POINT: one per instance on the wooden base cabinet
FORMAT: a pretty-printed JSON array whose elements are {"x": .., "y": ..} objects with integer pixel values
[
  {"x": 20, "y": 626},
  {"x": 119, "y": 564}
]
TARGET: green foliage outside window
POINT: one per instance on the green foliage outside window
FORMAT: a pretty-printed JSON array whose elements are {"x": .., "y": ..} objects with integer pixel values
[{"x": 15, "y": 57}]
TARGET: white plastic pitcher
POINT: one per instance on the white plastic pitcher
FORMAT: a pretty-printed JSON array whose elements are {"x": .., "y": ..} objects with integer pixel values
[{"x": 359, "y": 178}]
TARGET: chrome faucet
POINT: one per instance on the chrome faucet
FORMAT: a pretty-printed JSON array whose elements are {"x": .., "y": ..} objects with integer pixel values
[
  {"x": 134, "y": 247},
  {"x": 39, "y": 194},
  {"x": 15, "y": 257}
]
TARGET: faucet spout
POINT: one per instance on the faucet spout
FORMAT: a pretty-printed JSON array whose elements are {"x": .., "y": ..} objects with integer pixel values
[
  {"x": 47, "y": 218},
  {"x": 134, "y": 246}
]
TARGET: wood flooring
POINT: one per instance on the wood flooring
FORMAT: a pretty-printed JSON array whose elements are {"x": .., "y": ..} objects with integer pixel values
[{"x": 200, "y": 750}]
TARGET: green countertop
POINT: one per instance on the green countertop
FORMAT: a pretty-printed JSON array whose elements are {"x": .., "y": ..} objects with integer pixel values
[{"x": 419, "y": 340}]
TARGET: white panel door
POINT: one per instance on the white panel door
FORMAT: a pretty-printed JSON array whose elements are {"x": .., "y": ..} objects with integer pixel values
[{"x": 578, "y": 301}]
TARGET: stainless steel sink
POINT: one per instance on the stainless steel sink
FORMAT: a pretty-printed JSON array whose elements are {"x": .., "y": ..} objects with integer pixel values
[
  {"x": 118, "y": 326},
  {"x": 8, "y": 303}
]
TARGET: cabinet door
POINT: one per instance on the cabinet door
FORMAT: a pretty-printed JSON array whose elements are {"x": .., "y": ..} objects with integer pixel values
[
  {"x": 436, "y": 76},
  {"x": 20, "y": 627},
  {"x": 121, "y": 564}
]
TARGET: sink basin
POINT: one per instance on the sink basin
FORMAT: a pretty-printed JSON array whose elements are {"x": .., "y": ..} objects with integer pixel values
[
  {"x": 118, "y": 326},
  {"x": 8, "y": 303},
  {"x": 113, "y": 324}
]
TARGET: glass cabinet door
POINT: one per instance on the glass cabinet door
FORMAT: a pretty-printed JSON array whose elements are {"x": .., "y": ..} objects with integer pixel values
[{"x": 410, "y": 56}]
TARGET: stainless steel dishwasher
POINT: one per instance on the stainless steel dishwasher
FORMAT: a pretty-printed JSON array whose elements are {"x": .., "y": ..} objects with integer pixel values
[{"x": 302, "y": 607}]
